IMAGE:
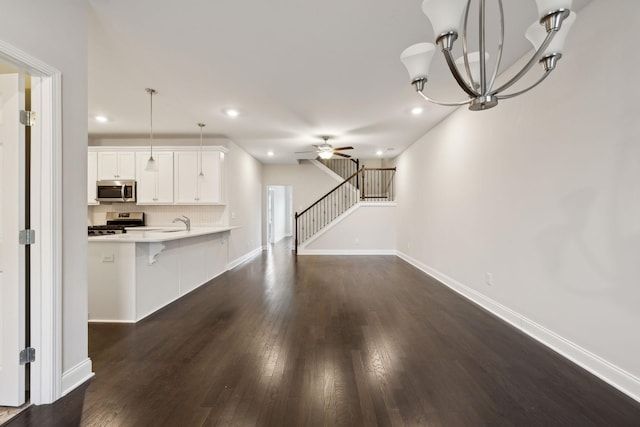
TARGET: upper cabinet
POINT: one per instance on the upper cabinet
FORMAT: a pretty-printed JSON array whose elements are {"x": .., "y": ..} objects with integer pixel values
[
  {"x": 154, "y": 187},
  {"x": 92, "y": 177},
  {"x": 199, "y": 177},
  {"x": 185, "y": 176},
  {"x": 116, "y": 165}
]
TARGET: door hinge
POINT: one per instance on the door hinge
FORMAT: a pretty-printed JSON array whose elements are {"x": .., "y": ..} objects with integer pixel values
[
  {"x": 28, "y": 118},
  {"x": 28, "y": 355},
  {"x": 27, "y": 237}
]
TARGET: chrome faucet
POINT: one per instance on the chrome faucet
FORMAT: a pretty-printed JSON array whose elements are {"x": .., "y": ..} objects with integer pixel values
[{"x": 184, "y": 220}]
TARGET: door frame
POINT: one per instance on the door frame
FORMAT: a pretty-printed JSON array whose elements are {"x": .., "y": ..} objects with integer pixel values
[{"x": 46, "y": 219}]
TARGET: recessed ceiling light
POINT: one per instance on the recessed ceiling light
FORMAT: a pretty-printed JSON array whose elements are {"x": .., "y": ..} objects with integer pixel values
[
  {"x": 270, "y": 153},
  {"x": 416, "y": 110},
  {"x": 379, "y": 152},
  {"x": 232, "y": 112},
  {"x": 102, "y": 119}
]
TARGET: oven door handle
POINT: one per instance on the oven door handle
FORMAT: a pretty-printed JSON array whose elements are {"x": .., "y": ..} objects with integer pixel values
[{"x": 122, "y": 191}]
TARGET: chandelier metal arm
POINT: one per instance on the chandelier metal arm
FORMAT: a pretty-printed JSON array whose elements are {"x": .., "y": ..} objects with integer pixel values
[
  {"x": 500, "y": 44},
  {"x": 534, "y": 60},
  {"x": 446, "y": 104},
  {"x": 483, "y": 48},
  {"x": 512, "y": 95},
  {"x": 456, "y": 74},
  {"x": 465, "y": 46}
]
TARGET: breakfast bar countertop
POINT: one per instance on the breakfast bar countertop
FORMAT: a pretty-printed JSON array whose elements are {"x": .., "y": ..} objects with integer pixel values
[{"x": 151, "y": 234}]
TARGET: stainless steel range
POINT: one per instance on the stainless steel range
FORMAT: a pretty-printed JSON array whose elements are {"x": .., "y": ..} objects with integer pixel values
[{"x": 117, "y": 222}]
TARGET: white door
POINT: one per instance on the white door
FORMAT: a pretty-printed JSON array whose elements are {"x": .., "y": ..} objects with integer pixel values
[{"x": 12, "y": 276}]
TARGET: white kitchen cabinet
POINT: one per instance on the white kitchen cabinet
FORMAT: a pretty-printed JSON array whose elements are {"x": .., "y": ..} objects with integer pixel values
[
  {"x": 192, "y": 187},
  {"x": 116, "y": 165},
  {"x": 92, "y": 177},
  {"x": 154, "y": 187}
]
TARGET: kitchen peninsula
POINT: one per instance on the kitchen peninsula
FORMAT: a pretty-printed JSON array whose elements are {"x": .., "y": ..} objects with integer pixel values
[{"x": 134, "y": 274}]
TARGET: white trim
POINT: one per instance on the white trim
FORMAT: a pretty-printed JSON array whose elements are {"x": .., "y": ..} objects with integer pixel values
[
  {"x": 346, "y": 252},
  {"x": 606, "y": 371},
  {"x": 244, "y": 258},
  {"x": 76, "y": 376},
  {"x": 46, "y": 194},
  {"x": 111, "y": 321}
]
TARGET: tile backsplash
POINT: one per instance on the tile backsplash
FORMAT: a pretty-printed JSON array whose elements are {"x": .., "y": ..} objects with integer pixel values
[{"x": 161, "y": 215}]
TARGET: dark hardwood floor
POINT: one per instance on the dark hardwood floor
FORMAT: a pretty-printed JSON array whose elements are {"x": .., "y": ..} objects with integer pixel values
[{"x": 328, "y": 341}]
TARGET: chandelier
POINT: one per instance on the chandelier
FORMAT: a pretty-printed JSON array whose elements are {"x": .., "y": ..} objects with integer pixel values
[{"x": 470, "y": 71}]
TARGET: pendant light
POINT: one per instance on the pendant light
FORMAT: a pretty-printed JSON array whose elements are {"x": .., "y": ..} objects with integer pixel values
[
  {"x": 152, "y": 165},
  {"x": 202, "y": 125}
]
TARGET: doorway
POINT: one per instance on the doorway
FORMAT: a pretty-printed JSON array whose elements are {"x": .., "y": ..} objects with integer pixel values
[
  {"x": 279, "y": 213},
  {"x": 43, "y": 324}
]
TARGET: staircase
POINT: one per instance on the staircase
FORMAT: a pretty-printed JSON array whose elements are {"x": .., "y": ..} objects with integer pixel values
[
  {"x": 364, "y": 185},
  {"x": 342, "y": 167}
]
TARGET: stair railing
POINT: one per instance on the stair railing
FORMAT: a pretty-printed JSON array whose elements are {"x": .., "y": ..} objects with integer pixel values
[{"x": 363, "y": 185}]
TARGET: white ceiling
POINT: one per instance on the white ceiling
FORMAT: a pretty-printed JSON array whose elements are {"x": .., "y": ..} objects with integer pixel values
[{"x": 295, "y": 69}]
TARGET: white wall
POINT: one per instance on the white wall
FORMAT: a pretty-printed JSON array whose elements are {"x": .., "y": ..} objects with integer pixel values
[
  {"x": 543, "y": 191},
  {"x": 244, "y": 203},
  {"x": 56, "y": 33},
  {"x": 367, "y": 228}
]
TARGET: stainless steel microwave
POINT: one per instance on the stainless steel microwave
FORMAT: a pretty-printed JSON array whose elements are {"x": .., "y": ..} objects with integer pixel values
[{"x": 116, "y": 191}]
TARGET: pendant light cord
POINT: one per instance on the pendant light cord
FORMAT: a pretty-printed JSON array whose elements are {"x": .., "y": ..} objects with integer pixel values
[
  {"x": 202, "y": 125},
  {"x": 151, "y": 92}
]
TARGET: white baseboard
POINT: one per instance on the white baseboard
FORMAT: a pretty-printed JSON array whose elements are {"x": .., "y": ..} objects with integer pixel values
[
  {"x": 244, "y": 258},
  {"x": 606, "y": 371},
  {"x": 75, "y": 376},
  {"x": 110, "y": 321},
  {"x": 345, "y": 252}
]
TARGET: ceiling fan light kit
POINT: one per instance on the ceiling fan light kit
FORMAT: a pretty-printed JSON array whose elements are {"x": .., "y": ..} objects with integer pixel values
[
  {"x": 326, "y": 151},
  {"x": 450, "y": 17}
]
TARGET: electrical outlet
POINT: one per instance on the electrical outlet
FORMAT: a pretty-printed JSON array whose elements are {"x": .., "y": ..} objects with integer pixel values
[
  {"x": 233, "y": 215},
  {"x": 488, "y": 278}
]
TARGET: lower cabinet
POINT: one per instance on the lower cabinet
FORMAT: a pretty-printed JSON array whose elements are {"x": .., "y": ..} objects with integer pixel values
[{"x": 125, "y": 287}]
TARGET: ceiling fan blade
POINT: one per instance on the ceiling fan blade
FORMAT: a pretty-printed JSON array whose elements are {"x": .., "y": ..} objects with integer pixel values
[
  {"x": 303, "y": 152},
  {"x": 341, "y": 155},
  {"x": 342, "y": 148}
]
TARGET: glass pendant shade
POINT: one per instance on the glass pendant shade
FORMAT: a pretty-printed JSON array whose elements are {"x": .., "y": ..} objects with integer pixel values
[
  {"x": 445, "y": 15},
  {"x": 152, "y": 165},
  {"x": 547, "y": 6},
  {"x": 474, "y": 66},
  {"x": 417, "y": 59},
  {"x": 325, "y": 154},
  {"x": 536, "y": 35}
]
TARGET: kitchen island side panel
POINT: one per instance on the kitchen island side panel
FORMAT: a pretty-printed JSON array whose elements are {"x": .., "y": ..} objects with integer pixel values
[
  {"x": 111, "y": 269},
  {"x": 158, "y": 283}
]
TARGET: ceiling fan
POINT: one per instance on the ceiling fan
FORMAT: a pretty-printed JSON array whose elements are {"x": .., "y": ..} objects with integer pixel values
[{"x": 326, "y": 150}]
